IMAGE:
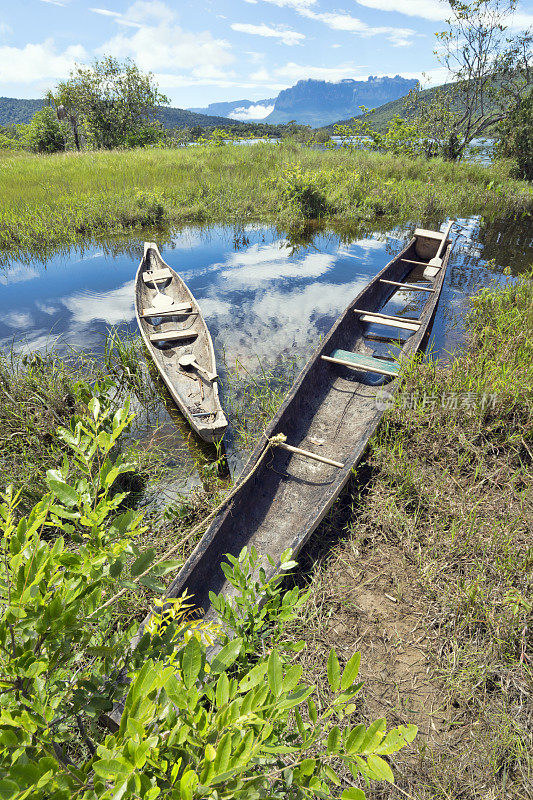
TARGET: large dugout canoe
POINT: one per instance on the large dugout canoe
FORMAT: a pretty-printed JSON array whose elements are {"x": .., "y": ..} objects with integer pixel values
[
  {"x": 331, "y": 412},
  {"x": 172, "y": 326}
]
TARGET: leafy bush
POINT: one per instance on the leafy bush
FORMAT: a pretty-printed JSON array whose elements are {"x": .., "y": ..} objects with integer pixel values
[
  {"x": 302, "y": 192},
  {"x": 45, "y": 133},
  {"x": 191, "y": 727},
  {"x": 517, "y": 138}
]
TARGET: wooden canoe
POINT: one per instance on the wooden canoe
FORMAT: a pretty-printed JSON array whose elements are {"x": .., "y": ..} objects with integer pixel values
[
  {"x": 175, "y": 331},
  {"x": 332, "y": 410}
]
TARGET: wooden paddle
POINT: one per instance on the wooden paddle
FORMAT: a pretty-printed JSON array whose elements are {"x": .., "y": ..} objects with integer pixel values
[
  {"x": 188, "y": 360},
  {"x": 436, "y": 261},
  {"x": 160, "y": 301}
]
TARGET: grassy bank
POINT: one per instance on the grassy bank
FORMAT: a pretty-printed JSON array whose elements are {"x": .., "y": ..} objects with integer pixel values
[
  {"x": 49, "y": 201},
  {"x": 432, "y": 579}
]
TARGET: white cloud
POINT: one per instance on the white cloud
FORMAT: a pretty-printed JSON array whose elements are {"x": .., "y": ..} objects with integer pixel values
[
  {"x": 252, "y": 112},
  {"x": 296, "y": 4},
  {"x": 25, "y": 64},
  {"x": 287, "y": 36},
  {"x": 428, "y": 9},
  {"x": 17, "y": 274},
  {"x": 295, "y": 72},
  {"x": 113, "y": 307},
  {"x": 160, "y": 44},
  {"x": 400, "y": 37},
  {"x": 47, "y": 308},
  {"x": 18, "y": 319},
  {"x": 56, "y": 2}
]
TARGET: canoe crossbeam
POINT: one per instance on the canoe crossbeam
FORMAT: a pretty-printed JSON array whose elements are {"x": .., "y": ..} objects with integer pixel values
[
  {"x": 157, "y": 275},
  {"x": 308, "y": 454},
  {"x": 410, "y": 286},
  {"x": 363, "y": 363},
  {"x": 384, "y": 319},
  {"x": 418, "y": 263},
  {"x": 176, "y": 311},
  {"x": 171, "y": 336}
]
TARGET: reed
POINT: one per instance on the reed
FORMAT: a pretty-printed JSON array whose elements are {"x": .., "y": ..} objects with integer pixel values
[{"x": 55, "y": 200}]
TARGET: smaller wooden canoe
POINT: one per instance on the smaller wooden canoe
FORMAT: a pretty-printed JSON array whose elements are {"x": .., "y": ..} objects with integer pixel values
[{"x": 173, "y": 327}]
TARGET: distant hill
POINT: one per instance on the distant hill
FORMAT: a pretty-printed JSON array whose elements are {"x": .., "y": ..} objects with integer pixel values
[
  {"x": 319, "y": 103},
  {"x": 380, "y": 117},
  {"x": 14, "y": 111},
  {"x": 246, "y": 107}
]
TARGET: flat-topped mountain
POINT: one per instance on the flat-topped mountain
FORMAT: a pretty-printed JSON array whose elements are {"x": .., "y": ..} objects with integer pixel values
[
  {"x": 251, "y": 109},
  {"x": 318, "y": 103}
]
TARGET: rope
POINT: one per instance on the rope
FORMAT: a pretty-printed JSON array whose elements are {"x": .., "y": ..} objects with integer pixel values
[{"x": 271, "y": 442}]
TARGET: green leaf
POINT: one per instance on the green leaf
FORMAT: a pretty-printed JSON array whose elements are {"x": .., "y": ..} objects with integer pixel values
[
  {"x": 67, "y": 494},
  {"x": 334, "y": 738},
  {"x": 8, "y": 789},
  {"x": 188, "y": 784},
  {"x": 334, "y": 671},
  {"x": 374, "y": 735},
  {"x": 222, "y": 691},
  {"x": 275, "y": 674},
  {"x": 191, "y": 662},
  {"x": 355, "y": 739},
  {"x": 223, "y": 753},
  {"x": 353, "y": 794},
  {"x": 380, "y": 769},
  {"x": 351, "y": 671},
  {"x": 143, "y": 562},
  {"x": 112, "y": 768},
  {"x": 225, "y": 658}
]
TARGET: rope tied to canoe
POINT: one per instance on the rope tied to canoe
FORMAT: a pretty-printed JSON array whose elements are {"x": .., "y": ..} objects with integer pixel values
[{"x": 272, "y": 441}]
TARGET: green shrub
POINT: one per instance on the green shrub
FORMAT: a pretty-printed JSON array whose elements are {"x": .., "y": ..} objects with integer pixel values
[
  {"x": 229, "y": 727},
  {"x": 517, "y": 138},
  {"x": 45, "y": 133}
]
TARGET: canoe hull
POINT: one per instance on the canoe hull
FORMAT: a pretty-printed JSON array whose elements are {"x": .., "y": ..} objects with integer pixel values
[
  {"x": 194, "y": 394},
  {"x": 283, "y": 496}
]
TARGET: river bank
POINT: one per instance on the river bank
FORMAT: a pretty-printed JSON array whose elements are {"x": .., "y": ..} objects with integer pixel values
[{"x": 52, "y": 201}]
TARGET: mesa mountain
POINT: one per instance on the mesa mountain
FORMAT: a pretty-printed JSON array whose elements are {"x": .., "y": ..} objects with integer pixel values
[{"x": 318, "y": 103}]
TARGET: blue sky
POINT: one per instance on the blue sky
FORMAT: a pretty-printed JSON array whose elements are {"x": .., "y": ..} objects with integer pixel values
[{"x": 203, "y": 51}]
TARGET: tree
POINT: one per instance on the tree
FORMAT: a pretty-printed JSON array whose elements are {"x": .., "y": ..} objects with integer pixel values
[
  {"x": 516, "y": 138},
  {"x": 112, "y": 103},
  {"x": 490, "y": 69},
  {"x": 45, "y": 133}
]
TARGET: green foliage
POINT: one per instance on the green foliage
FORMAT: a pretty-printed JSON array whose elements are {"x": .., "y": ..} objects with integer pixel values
[
  {"x": 302, "y": 192},
  {"x": 45, "y": 134},
  {"x": 516, "y": 140},
  {"x": 191, "y": 727},
  {"x": 113, "y": 103}
]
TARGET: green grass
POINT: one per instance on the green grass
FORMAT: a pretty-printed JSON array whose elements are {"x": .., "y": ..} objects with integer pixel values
[
  {"x": 49, "y": 201},
  {"x": 432, "y": 576}
]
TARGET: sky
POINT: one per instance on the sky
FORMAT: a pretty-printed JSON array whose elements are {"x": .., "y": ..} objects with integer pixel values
[{"x": 204, "y": 51}]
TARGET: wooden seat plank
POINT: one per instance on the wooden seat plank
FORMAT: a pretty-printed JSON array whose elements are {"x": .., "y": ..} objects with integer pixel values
[
  {"x": 157, "y": 275},
  {"x": 410, "y": 286},
  {"x": 170, "y": 336},
  {"x": 178, "y": 308},
  {"x": 384, "y": 319},
  {"x": 363, "y": 362}
]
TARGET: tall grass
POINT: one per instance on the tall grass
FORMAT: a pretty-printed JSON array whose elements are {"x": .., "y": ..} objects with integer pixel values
[{"x": 55, "y": 200}]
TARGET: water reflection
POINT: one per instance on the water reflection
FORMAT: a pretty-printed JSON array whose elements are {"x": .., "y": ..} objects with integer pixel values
[{"x": 262, "y": 295}]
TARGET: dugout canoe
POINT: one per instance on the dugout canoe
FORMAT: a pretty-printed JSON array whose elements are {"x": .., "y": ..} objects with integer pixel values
[
  {"x": 331, "y": 412},
  {"x": 172, "y": 326}
]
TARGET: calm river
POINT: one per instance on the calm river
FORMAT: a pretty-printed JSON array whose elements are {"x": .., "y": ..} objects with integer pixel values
[{"x": 262, "y": 297}]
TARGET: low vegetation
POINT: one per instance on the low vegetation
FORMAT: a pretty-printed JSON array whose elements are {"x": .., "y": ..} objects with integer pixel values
[{"x": 57, "y": 200}]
